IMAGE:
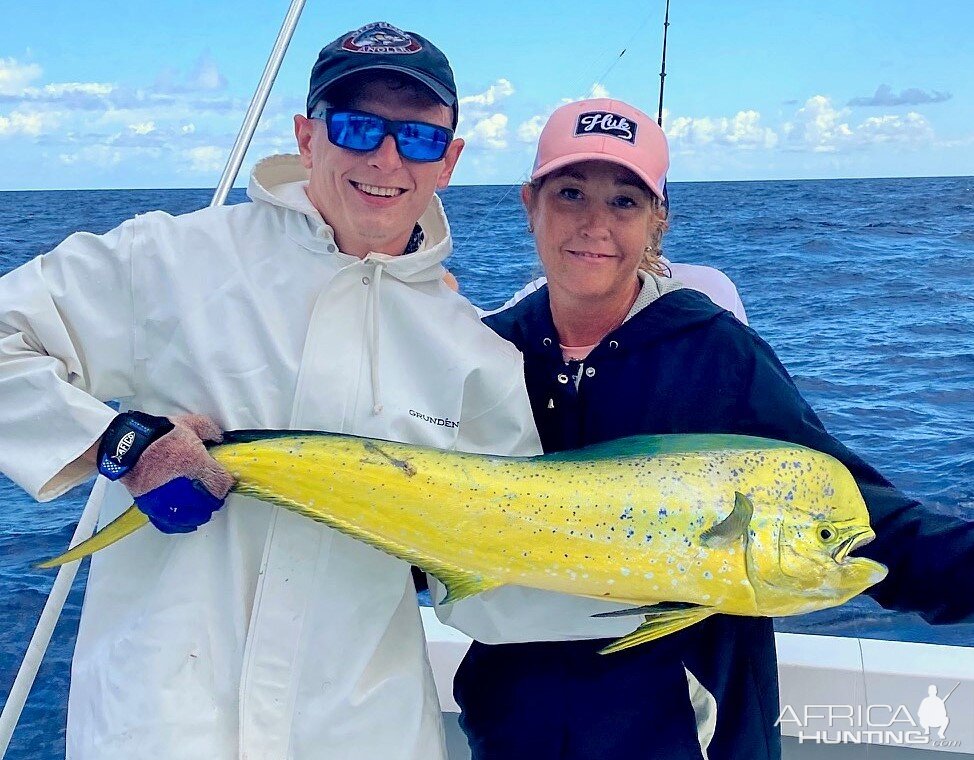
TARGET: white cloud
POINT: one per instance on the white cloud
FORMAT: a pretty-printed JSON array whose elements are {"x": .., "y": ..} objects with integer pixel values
[
  {"x": 143, "y": 128},
  {"x": 82, "y": 96},
  {"x": 206, "y": 75},
  {"x": 187, "y": 129},
  {"x": 489, "y": 132},
  {"x": 818, "y": 126},
  {"x": 958, "y": 142},
  {"x": 483, "y": 123},
  {"x": 206, "y": 158},
  {"x": 61, "y": 89},
  {"x": 98, "y": 155},
  {"x": 530, "y": 130},
  {"x": 499, "y": 90},
  {"x": 743, "y": 130},
  {"x": 15, "y": 77},
  {"x": 821, "y": 128},
  {"x": 911, "y": 129},
  {"x": 30, "y": 124}
]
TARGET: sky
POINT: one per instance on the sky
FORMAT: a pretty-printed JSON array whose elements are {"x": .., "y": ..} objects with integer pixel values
[{"x": 100, "y": 94}]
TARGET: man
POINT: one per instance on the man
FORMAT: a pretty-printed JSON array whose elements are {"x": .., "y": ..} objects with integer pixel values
[{"x": 318, "y": 306}]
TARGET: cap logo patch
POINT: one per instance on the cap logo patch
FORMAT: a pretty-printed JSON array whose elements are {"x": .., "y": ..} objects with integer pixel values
[
  {"x": 606, "y": 123},
  {"x": 380, "y": 37}
]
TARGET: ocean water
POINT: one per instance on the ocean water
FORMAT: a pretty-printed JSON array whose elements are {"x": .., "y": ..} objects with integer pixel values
[{"x": 863, "y": 287}]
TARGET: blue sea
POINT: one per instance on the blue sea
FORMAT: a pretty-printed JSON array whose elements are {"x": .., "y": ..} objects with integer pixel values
[{"x": 865, "y": 288}]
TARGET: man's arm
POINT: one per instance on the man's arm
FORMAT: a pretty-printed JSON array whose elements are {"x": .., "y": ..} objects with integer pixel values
[
  {"x": 713, "y": 283},
  {"x": 67, "y": 321}
]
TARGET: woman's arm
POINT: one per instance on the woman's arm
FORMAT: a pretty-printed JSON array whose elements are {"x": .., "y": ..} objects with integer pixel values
[{"x": 930, "y": 556}]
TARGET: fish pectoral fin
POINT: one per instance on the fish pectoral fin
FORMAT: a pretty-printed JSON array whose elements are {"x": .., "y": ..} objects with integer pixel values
[
  {"x": 460, "y": 585},
  {"x": 651, "y": 609},
  {"x": 658, "y": 625},
  {"x": 128, "y": 522},
  {"x": 732, "y": 528}
]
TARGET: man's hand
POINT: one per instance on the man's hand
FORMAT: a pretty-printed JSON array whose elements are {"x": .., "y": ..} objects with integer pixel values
[{"x": 165, "y": 466}]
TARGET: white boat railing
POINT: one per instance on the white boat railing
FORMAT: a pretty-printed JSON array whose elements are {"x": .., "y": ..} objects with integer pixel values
[{"x": 834, "y": 690}]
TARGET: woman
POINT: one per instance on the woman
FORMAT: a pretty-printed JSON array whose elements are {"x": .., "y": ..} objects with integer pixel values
[{"x": 612, "y": 349}]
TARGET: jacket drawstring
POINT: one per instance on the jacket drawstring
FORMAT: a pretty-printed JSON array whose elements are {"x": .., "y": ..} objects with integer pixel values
[{"x": 373, "y": 296}]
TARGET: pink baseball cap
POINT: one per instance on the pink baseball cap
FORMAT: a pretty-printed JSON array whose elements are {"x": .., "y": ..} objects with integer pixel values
[{"x": 602, "y": 129}]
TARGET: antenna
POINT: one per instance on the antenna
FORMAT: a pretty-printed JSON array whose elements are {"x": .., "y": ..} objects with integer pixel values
[{"x": 662, "y": 73}]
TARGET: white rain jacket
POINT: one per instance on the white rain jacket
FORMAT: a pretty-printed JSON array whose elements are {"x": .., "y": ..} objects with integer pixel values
[{"x": 262, "y": 635}]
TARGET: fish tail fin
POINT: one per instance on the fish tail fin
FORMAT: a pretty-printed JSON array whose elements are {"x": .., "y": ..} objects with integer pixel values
[
  {"x": 128, "y": 522},
  {"x": 659, "y": 625}
]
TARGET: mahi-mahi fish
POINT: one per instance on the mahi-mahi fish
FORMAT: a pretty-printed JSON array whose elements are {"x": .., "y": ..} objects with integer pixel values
[{"x": 680, "y": 526}]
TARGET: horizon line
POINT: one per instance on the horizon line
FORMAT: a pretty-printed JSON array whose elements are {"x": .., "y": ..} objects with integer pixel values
[{"x": 493, "y": 184}]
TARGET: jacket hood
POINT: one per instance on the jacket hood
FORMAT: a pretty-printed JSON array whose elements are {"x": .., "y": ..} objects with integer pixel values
[
  {"x": 672, "y": 311},
  {"x": 280, "y": 181}
]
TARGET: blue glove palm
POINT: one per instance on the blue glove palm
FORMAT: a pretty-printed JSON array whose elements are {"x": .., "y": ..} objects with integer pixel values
[{"x": 179, "y": 506}]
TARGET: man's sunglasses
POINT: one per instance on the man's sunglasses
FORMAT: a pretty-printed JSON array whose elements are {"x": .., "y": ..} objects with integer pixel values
[{"x": 364, "y": 132}]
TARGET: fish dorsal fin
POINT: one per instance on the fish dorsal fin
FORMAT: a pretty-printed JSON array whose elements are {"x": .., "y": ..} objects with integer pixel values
[
  {"x": 659, "y": 624},
  {"x": 252, "y": 436},
  {"x": 656, "y": 445},
  {"x": 732, "y": 528}
]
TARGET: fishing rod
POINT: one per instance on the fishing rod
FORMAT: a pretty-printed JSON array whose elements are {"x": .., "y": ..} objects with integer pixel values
[{"x": 662, "y": 71}]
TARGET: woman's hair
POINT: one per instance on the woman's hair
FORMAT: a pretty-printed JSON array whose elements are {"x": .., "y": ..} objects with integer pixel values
[{"x": 650, "y": 261}]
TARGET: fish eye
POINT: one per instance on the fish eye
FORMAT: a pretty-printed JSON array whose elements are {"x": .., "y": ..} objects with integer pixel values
[{"x": 826, "y": 532}]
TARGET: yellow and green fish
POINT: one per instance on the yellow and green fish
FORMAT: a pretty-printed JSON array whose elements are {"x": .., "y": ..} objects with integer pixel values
[{"x": 680, "y": 526}]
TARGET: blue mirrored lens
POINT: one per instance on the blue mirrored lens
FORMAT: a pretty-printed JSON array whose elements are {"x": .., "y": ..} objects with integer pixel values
[
  {"x": 415, "y": 140},
  {"x": 355, "y": 131},
  {"x": 422, "y": 142}
]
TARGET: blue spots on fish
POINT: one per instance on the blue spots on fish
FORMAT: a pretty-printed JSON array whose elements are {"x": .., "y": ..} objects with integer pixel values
[
  {"x": 630, "y": 532},
  {"x": 662, "y": 512},
  {"x": 626, "y": 514}
]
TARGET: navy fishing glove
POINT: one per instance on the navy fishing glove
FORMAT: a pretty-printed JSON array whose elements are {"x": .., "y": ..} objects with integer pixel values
[{"x": 165, "y": 466}]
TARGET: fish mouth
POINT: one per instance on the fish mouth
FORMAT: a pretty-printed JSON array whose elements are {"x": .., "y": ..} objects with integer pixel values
[{"x": 855, "y": 541}]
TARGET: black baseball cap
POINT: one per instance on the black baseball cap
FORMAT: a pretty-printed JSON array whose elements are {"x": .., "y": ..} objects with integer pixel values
[{"x": 380, "y": 46}]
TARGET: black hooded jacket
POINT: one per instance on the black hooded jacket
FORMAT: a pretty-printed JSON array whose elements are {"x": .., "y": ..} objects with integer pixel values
[{"x": 681, "y": 365}]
